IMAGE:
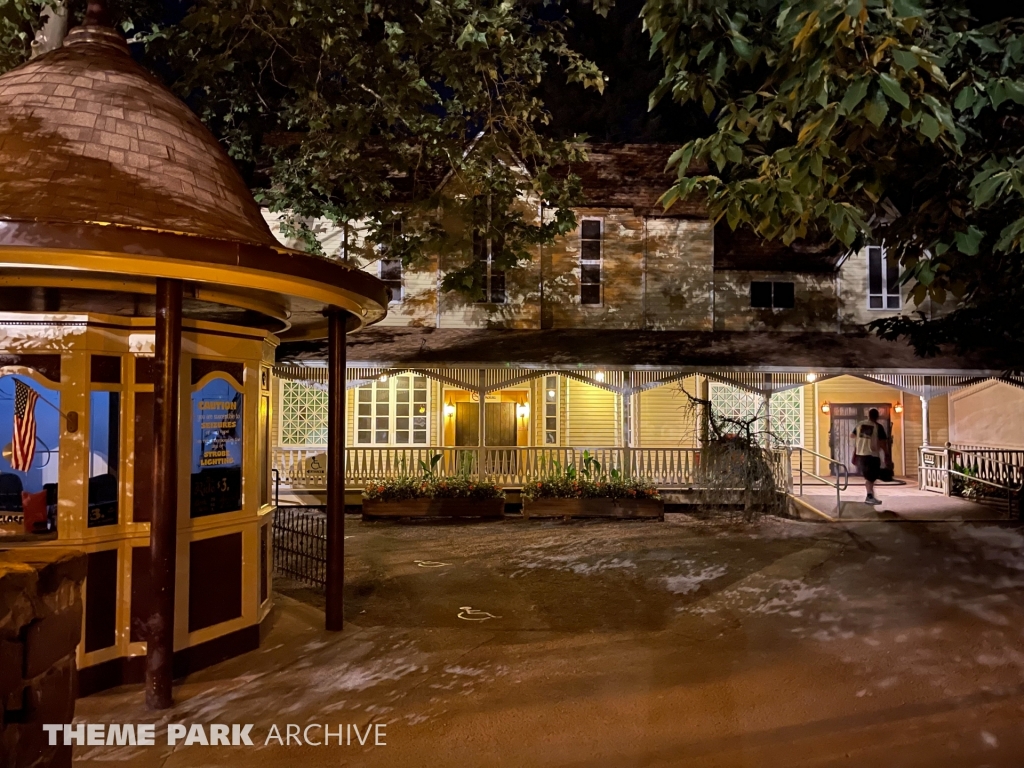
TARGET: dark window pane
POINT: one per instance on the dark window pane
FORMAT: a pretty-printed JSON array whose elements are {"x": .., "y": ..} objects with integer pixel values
[
  {"x": 590, "y": 273},
  {"x": 892, "y": 276},
  {"x": 479, "y": 245},
  {"x": 783, "y": 295},
  {"x": 875, "y": 302},
  {"x": 497, "y": 286},
  {"x": 391, "y": 269},
  {"x": 590, "y": 230},
  {"x": 874, "y": 270},
  {"x": 893, "y": 302},
  {"x": 590, "y": 250},
  {"x": 590, "y": 294},
  {"x": 760, "y": 294}
]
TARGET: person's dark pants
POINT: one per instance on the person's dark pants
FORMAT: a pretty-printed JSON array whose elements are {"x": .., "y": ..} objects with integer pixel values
[{"x": 870, "y": 467}]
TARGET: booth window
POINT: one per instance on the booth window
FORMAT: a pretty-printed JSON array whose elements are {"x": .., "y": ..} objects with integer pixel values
[
  {"x": 218, "y": 420},
  {"x": 104, "y": 458},
  {"x": 29, "y": 470},
  {"x": 393, "y": 412}
]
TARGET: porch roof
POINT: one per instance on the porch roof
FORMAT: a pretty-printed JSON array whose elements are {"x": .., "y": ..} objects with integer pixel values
[{"x": 578, "y": 348}]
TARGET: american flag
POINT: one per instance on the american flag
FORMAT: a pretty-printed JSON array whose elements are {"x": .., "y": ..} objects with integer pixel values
[{"x": 23, "y": 446}]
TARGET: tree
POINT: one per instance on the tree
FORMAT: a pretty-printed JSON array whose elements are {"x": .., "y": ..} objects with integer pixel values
[
  {"x": 847, "y": 121},
  {"x": 357, "y": 110}
]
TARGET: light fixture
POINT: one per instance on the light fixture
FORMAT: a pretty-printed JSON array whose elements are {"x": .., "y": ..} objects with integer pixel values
[
  {"x": 383, "y": 377},
  {"x": 551, "y": 394},
  {"x": 599, "y": 376},
  {"x": 449, "y": 408},
  {"x": 825, "y": 407},
  {"x": 811, "y": 378},
  {"x": 898, "y": 408},
  {"x": 523, "y": 410}
]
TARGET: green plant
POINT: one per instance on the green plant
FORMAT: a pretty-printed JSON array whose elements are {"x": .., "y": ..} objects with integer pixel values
[{"x": 406, "y": 488}]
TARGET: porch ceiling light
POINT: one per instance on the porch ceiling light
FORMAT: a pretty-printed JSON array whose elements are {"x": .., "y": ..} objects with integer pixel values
[
  {"x": 599, "y": 376},
  {"x": 383, "y": 377},
  {"x": 811, "y": 378},
  {"x": 825, "y": 408}
]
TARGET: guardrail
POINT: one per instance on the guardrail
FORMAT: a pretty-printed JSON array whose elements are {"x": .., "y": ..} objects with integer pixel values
[
  {"x": 842, "y": 474},
  {"x": 300, "y": 545},
  {"x": 985, "y": 467}
]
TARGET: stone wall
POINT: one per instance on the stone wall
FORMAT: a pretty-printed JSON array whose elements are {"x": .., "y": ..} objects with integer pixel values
[{"x": 40, "y": 627}]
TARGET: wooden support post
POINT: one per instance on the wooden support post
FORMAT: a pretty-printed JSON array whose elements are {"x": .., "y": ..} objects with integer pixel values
[
  {"x": 482, "y": 423},
  {"x": 925, "y": 425},
  {"x": 335, "y": 600},
  {"x": 767, "y": 419},
  {"x": 627, "y": 433},
  {"x": 705, "y": 416},
  {"x": 163, "y": 529}
]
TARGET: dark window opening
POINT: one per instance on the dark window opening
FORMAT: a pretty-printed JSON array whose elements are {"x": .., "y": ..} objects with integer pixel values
[
  {"x": 590, "y": 261},
  {"x": 768, "y": 295},
  {"x": 883, "y": 279},
  {"x": 487, "y": 250}
]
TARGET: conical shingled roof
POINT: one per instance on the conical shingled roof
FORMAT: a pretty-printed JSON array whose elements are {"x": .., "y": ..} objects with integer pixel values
[{"x": 89, "y": 136}]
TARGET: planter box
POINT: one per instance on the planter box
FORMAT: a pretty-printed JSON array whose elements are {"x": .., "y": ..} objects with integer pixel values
[
  {"x": 648, "y": 509},
  {"x": 434, "y": 508}
]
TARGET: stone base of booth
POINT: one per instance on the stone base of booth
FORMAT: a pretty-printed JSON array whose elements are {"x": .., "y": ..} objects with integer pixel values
[
  {"x": 40, "y": 627},
  {"x": 433, "y": 508},
  {"x": 132, "y": 669},
  {"x": 647, "y": 509}
]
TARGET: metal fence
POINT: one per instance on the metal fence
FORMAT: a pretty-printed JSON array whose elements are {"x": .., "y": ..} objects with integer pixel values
[{"x": 300, "y": 545}]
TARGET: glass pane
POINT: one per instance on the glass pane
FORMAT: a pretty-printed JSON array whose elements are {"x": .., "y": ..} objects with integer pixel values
[
  {"x": 875, "y": 302},
  {"x": 363, "y": 437},
  {"x": 549, "y": 437},
  {"x": 590, "y": 250},
  {"x": 218, "y": 435},
  {"x": 402, "y": 409},
  {"x": 382, "y": 423},
  {"x": 590, "y": 229},
  {"x": 381, "y": 437},
  {"x": 893, "y": 302},
  {"x": 874, "y": 270},
  {"x": 419, "y": 422},
  {"x": 365, "y": 409},
  {"x": 364, "y": 422},
  {"x": 421, "y": 409},
  {"x": 402, "y": 423},
  {"x": 365, "y": 394},
  {"x": 590, "y": 294},
  {"x": 29, "y": 474},
  {"x": 420, "y": 438},
  {"x": 402, "y": 396},
  {"x": 497, "y": 286},
  {"x": 382, "y": 409},
  {"x": 104, "y": 450},
  {"x": 383, "y": 393},
  {"x": 892, "y": 276},
  {"x": 402, "y": 383},
  {"x": 783, "y": 295},
  {"x": 402, "y": 436},
  {"x": 391, "y": 269},
  {"x": 420, "y": 382},
  {"x": 760, "y": 294},
  {"x": 590, "y": 273}
]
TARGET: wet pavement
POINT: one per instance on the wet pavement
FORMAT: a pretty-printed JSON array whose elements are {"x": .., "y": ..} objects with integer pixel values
[{"x": 683, "y": 643}]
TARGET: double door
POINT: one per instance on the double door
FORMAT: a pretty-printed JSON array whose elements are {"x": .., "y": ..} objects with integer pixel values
[{"x": 845, "y": 417}]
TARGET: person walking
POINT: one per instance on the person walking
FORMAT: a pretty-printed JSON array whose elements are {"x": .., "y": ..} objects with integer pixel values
[{"x": 871, "y": 449}]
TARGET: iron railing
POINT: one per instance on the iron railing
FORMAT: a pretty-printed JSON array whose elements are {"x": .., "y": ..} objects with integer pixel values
[
  {"x": 840, "y": 483},
  {"x": 300, "y": 545}
]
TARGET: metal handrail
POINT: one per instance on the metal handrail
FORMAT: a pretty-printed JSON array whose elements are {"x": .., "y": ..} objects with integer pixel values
[{"x": 841, "y": 483}]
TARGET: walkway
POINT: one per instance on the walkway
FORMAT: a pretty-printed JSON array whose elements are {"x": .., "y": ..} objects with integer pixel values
[
  {"x": 899, "y": 502},
  {"x": 663, "y": 645}
]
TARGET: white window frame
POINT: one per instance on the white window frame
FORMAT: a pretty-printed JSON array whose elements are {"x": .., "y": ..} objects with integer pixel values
[
  {"x": 599, "y": 261},
  {"x": 391, "y": 412},
  {"x": 886, "y": 296},
  {"x": 550, "y": 413},
  {"x": 396, "y": 297}
]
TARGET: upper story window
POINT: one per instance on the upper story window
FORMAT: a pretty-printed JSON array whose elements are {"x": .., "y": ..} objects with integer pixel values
[
  {"x": 391, "y": 275},
  {"x": 767, "y": 295},
  {"x": 486, "y": 249},
  {"x": 883, "y": 279},
  {"x": 591, "y": 247},
  {"x": 393, "y": 412}
]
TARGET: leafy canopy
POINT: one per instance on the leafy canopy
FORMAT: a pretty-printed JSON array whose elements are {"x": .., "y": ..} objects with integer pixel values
[
  {"x": 864, "y": 120},
  {"x": 354, "y": 110}
]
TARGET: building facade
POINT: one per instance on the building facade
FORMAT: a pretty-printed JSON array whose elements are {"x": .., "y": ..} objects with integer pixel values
[{"x": 602, "y": 341}]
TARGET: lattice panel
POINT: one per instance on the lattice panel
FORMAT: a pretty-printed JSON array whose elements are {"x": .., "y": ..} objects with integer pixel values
[
  {"x": 787, "y": 421},
  {"x": 303, "y": 414}
]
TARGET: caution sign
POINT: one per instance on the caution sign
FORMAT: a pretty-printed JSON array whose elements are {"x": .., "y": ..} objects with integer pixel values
[{"x": 217, "y": 431}]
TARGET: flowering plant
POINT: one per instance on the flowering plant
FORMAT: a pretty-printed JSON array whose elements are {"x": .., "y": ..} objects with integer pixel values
[
  {"x": 458, "y": 487},
  {"x": 575, "y": 488}
]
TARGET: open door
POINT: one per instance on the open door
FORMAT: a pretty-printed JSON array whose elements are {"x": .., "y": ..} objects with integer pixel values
[{"x": 844, "y": 417}]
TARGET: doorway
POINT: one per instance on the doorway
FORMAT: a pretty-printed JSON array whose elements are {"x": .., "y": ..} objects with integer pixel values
[
  {"x": 844, "y": 417},
  {"x": 500, "y": 427}
]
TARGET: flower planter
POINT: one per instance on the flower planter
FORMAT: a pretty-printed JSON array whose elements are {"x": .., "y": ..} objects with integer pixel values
[
  {"x": 648, "y": 509},
  {"x": 433, "y": 508}
]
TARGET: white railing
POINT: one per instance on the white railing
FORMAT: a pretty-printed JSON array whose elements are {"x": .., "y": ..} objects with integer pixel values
[
  {"x": 933, "y": 470},
  {"x": 996, "y": 467},
  {"x": 1012, "y": 456},
  {"x": 511, "y": 467}
]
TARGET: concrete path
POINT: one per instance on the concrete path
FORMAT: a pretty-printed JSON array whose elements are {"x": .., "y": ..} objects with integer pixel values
[
  {"x": 901, "y": 502},
  {"x": 599, "y": 645}
]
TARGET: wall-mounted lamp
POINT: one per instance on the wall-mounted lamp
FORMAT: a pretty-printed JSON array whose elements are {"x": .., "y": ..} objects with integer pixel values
[
  {"x": 523, "y": 410},
  {"x": 449, "y": 408},
  {"x": 811, "y": 378},
  {"x": 898, "y": 408},
  {"x": 599, "y": 376},
  {"x": 825, "y": 408},
  {"x": 384, "y": 377}
]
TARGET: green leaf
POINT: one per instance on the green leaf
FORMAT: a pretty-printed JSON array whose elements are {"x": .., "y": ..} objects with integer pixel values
[
  {"x": 854, "y": 95},
  {"x": 893, "y": 90},
  {"x": 965, "y": 98},
  {"x": 930, "y": 127},
  {"x": 905, "y": 59},
  {"x": 876, "y": 109},
  {"x": 968, "y": 242}
]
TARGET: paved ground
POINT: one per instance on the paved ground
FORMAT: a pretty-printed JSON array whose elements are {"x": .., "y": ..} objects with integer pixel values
[
  {"x": 635, "y": 644},
  {"x": 901, "y": 502}
]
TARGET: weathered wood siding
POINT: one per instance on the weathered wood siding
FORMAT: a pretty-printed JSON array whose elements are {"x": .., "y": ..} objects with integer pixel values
[
  {"x": 815, "y": 303},
  {"x": 678, "y": 274}
]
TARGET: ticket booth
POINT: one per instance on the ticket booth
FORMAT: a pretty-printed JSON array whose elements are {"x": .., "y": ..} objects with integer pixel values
[{"x": 142, "y": 298}]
